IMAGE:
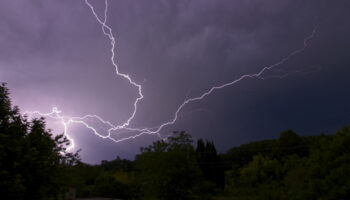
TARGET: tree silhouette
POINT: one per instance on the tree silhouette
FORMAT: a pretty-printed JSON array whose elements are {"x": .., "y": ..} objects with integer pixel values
[{"x": 31, "y": 160}]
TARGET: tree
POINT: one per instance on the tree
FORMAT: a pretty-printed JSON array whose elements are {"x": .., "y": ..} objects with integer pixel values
[
  {"x": 107, "y": 186},
  {"x": 262, "y": 169},
  {"x": 210, "y": 163},
  {"x": 168, "y": 169},
  {"x": 290, "y": 143},
  {"x": 31, "y": 161}
]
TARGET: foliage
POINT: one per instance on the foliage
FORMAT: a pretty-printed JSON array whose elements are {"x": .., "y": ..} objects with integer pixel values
[
  {"x": 31, "y": 160},
  {"x": 168, "y": 169},
  {"x": 301, "y": 168},
  {"x": 117, "y": 164},
  {"x": 290, "y": 167},
  {"x": 107, "y": 186},
  {"x": 210, "y": 163}
]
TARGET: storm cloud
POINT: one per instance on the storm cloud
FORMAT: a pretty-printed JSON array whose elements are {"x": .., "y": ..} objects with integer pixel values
[{"x": 53, "y": 53}]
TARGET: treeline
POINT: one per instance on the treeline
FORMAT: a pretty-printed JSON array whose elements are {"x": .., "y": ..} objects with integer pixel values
[
  {"x": 167, "y": 169},
  {"x": 290, "y": 167},
  {"x": 33, "y": 166}
]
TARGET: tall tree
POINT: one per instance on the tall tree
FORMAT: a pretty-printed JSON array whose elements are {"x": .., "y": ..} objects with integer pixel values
[
  {"x": 168, "y": 169},
  {"x": 31, "y": 160},
  {"x": 209, "y": 163}
]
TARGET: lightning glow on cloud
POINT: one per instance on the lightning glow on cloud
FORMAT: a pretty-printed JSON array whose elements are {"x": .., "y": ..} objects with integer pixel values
[{"x": 66, "y": 121}]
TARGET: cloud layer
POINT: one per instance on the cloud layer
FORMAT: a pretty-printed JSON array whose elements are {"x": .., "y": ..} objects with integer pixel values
[{"x": 53, "y": 53}]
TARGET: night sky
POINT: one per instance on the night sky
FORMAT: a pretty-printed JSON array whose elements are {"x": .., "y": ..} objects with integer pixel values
[{"x": 54, "y": 53}]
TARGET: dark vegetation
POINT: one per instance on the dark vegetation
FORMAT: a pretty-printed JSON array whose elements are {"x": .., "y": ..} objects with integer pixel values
[
  {"x": 290, "y": 167},
  {"x": 32, "y": 165}
]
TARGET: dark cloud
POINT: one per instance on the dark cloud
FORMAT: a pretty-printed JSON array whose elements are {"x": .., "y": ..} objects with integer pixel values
[{"x": 54, "y": 53}]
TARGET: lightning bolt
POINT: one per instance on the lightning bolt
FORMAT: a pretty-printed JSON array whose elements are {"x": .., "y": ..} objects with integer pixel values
[
  {"x": 108, "y": 32},
  {"x": 124, "y": 127}
]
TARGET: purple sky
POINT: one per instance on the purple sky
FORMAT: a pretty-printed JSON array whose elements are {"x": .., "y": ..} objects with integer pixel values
[{"x": 53, "y": 53}]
